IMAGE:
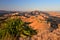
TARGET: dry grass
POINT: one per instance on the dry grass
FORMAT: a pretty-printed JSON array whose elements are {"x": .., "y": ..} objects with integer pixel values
[{"x": 43, "y": 30}]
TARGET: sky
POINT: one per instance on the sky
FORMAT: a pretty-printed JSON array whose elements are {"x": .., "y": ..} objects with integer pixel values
[{"x": 29, "y": 5}]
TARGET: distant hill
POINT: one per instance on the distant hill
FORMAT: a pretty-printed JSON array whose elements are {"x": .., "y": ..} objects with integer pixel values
[{"x": 2, "y": 12}]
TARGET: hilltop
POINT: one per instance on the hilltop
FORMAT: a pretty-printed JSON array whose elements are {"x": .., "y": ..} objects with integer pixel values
[{"x": 46, "y": 23}]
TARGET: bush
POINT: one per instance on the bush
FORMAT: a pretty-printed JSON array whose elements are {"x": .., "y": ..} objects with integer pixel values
[{"x": 16, "y": 28}]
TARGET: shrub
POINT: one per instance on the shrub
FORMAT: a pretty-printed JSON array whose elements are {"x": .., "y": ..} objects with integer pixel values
[{"x": 16, "y": 28}]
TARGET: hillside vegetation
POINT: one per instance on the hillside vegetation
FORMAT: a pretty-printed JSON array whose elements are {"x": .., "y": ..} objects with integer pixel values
[{"x": 14, "y": 29}]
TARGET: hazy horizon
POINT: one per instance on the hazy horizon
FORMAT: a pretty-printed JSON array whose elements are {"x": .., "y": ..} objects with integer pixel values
[{"x": 29, "y": 5}]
